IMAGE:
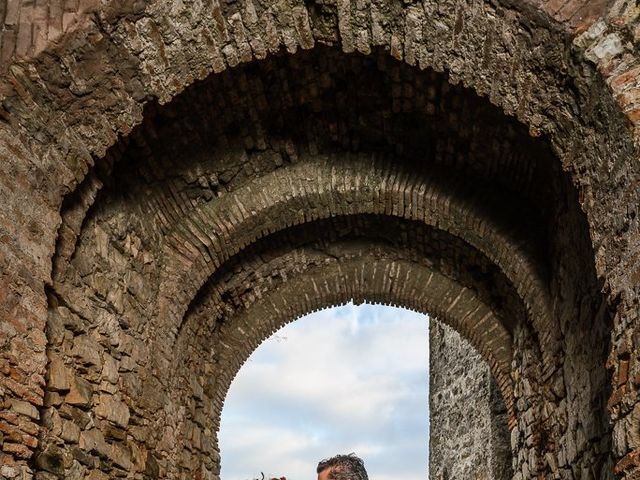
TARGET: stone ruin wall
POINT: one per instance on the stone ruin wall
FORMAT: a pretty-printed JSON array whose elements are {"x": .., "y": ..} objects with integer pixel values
[
  {"x": 469, "y": 437},
  {"x": 564, "y": 80}
]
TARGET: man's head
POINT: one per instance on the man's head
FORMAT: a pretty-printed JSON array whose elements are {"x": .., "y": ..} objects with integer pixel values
[{"x": 342, "y": 467}]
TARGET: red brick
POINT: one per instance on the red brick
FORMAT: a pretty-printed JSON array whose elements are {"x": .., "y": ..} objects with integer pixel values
[
  {"x": 18, "y": 449},
  {"x": 625, "y": 80},
  {"x": 629, "y": 461}
]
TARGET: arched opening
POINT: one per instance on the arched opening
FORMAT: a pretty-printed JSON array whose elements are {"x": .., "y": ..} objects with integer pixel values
[
  {"x": 355, "y": 378},
  {"x": 349, "y": 378},
  {"x": 297, "y": 183}
]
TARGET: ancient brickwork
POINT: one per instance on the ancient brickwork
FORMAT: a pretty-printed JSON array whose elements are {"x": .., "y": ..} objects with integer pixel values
[
  {"x": 469, "y": 437},
  {"x": 127, "y": 226},
  {"x": 24, "y": 257},
  {"x": 31, "y": 26},
  {"x": 278, "y": 176},
  {"x": 393, "y": 272}
]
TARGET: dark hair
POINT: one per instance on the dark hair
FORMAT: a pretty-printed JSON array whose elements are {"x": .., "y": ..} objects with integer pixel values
[{"x": 344, "y": 467}]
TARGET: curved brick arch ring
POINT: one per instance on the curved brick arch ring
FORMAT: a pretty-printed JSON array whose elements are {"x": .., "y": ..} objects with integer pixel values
[
  {"x": 72, "y": 101},
  {"x": 322, "y": 188},
  {"x": 359, "y": 273}
]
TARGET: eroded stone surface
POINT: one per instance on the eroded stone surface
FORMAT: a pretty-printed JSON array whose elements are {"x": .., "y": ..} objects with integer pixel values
[
  {"x": 120, "y": 302},
  {"x": 469, "y": 436}
]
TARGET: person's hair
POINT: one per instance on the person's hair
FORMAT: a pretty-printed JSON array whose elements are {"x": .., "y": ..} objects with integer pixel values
[{"x": 344, "y": 467}]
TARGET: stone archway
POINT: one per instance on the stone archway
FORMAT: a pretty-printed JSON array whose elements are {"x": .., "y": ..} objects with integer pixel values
[
  {"x": 66, "y": 106},
  {"x": 324, "y": 274},
  {"x": 244, "y": 160}
]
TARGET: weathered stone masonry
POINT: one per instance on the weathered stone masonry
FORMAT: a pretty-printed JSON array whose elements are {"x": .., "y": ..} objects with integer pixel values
[
  {"x": 181, "y": 178},
  {"x": 467, "y": 417}
]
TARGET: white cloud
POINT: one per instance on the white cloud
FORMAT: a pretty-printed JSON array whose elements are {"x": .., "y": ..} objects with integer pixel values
[{"x": 339, "y": 380}]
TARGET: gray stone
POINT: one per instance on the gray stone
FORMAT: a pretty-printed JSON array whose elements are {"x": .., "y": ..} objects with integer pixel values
[
  {"x": 24, "y": 408},
  {"x": 59, "y": 375}
]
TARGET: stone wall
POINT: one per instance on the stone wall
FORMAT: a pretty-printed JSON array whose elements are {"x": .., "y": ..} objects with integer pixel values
[
  {"x": 224, "y": 216},
  {"x": 469, "y": 436},
  {"x": 129, "y": 262}
]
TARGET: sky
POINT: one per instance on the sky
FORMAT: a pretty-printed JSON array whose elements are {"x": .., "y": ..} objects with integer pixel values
[{"x": 346, "y": 379}]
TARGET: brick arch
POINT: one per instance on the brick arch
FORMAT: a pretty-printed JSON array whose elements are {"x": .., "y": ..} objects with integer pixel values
[
  {"x": 352, "y": 178},
  {"x": 180, "y": 421},
  {"x": 32, "y": 30},
  {"x": 147, "y": 56},
  {"x": 440, "y": 297},
  {"x": 313, "y": 279},
  {"x": 366, "y": 275},
  {"x": 63, "y": 118},
  {"x": 132, "y": 44},
  {"x": 330, "y": 186},
  {"x": 61, "y": 92},
  {"x": 173, "y": 215}
]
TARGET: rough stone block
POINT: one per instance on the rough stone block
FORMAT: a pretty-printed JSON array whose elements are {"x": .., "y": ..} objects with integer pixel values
[
  {"x": 59, "y": 375},
  {"x": 24, "y": 408},
  {"x": 110, "y": 369},
  {"x": 87, "y": 350},
  {"x": 93, "y": 441},
  {"x": 52, "y": 460},
  {"x": 113, "y": 410},
  {"x": 80, "y": 393},
  {"x": 70, "y": 432}
]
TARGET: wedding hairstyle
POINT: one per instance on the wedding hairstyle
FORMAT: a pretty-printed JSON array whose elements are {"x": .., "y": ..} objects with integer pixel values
[{"x": 344, "y": 467}]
